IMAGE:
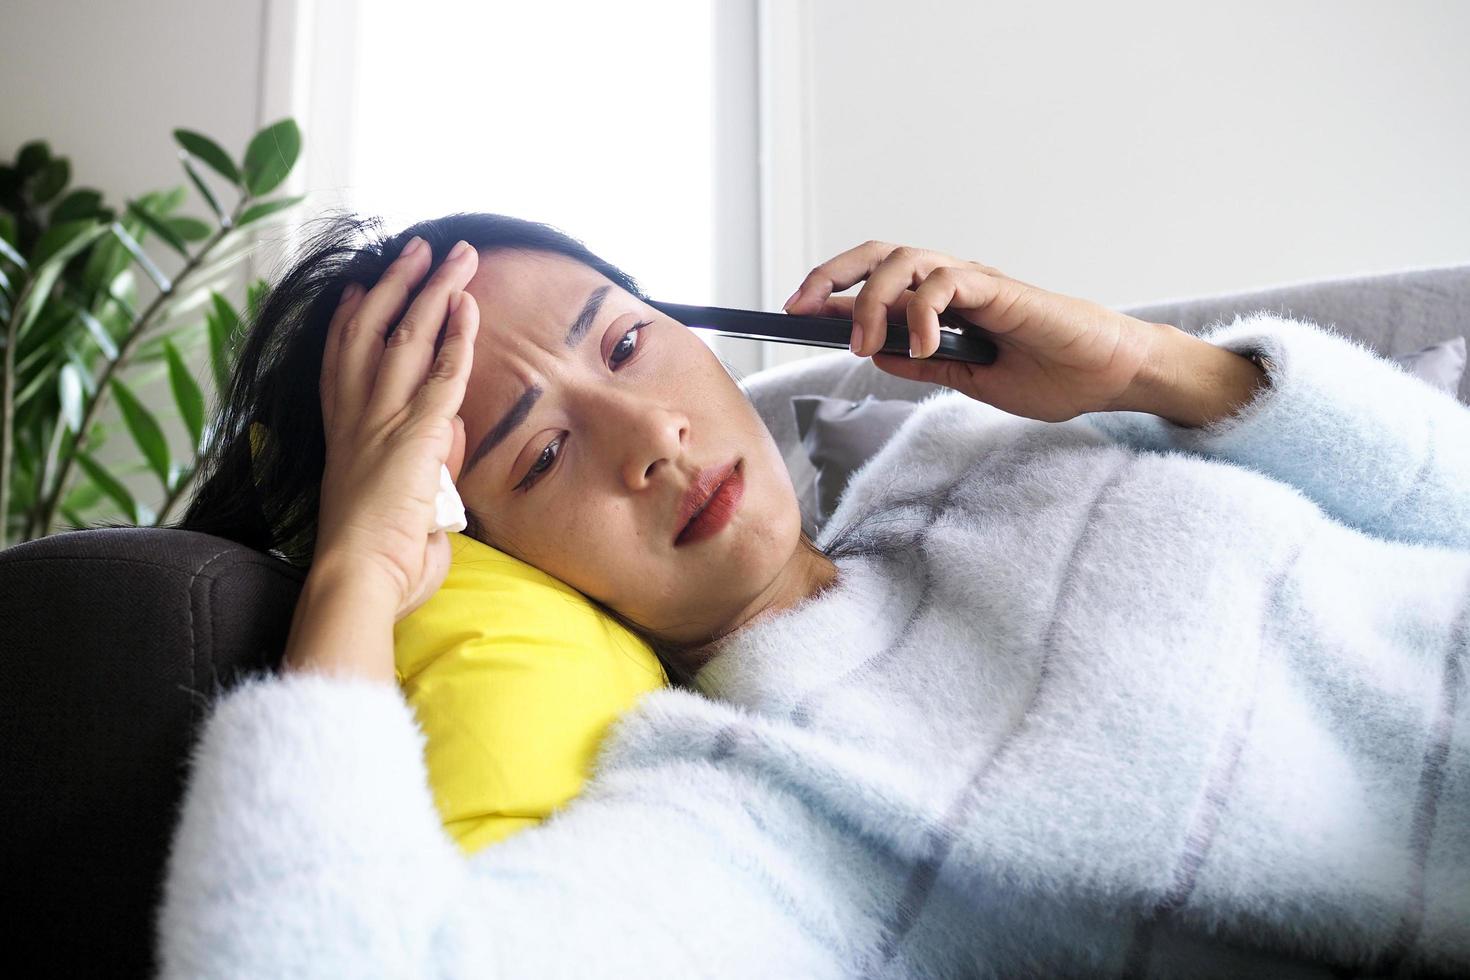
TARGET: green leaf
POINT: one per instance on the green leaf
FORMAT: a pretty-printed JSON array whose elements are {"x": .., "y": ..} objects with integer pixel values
[
  {"x": 265, "y": 208},
  {"x": 69, "y": 239},
  {"x": 203, "y": 188},
  {"x": 151, "y": 350},
  {"x": 189, "y": 229},
  {"x": 165, "y": 202},
  {"x": 109, "y": 485},
  {"x": 81, "y": 203},
  {"x": 103, "y": 263},
  {"x": 186, "y": 393},
  {"x": 37, "y": 359},
  {"x": 145, "y": 430},
  {"x": 55, "y": 238},
  {"x": 134, "y": 249},
  {"x": 31, "y": 158},
  {"x": 55, "y": 318},
  {"x": 255, "y": 295},
  {"x": 52, "y": 179},
  {"x": 99, "y": 333},
  {"x": 70, "y": 386},
  {"x": 183, "y": 304},
  {"x": 156, "y": 225},
  {"x": 223, "y": 323},
  {"x": 9, "y": 251},
  {"x": 219, "y": 363},
  {"x": 209, "y": 153},
  {"x": 30, "y": 388},
  {"x": 89, "y": 383},
  {"x": 84, "y": 496},
  {"x": 271, "y": 155},
  {"x": 98, "y": 435}
]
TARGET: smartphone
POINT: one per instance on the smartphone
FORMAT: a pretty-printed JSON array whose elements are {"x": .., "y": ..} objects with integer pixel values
[{"x": 959, "y": 340}]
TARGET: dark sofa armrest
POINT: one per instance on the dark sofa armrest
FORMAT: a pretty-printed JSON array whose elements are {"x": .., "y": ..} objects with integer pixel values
[{"x": 113, "y": 642}]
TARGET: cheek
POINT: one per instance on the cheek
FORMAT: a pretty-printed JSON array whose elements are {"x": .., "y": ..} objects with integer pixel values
[{"x": 597, "y": 547}]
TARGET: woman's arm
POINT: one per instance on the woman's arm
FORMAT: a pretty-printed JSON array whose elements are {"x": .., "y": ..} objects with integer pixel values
[
  {"x": 309, "y": 846},
  {"x": 342, "y": 625},
  {"x": 1373, "y": 446},
  {"x": 1191, "y": 382}
]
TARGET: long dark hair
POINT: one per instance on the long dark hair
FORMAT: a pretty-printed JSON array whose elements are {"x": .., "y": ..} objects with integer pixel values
[{"x": 268, "y": 499}]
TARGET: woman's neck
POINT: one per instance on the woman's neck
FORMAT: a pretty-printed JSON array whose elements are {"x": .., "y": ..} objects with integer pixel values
[{"x": 808, "y": 574}]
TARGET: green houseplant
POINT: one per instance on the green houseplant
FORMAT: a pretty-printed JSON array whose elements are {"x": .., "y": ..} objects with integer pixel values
[{"x": 74, "y": 331}]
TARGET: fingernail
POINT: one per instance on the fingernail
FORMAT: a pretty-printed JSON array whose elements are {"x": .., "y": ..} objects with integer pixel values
[
  {"x": 791, "y": 299},
  {"x": 857, "y": 338},
  {"x": 349, "y": 294},
  {"x": 414, "y": 246},
  {"x": 462, "y": 248},
  {"x": 913, "y": 347}
]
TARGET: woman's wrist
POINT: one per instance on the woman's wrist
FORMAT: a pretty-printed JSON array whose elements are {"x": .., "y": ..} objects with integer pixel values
[
  {"x": 1192, "y": 382},
  {"x": 343, "y": 624}
]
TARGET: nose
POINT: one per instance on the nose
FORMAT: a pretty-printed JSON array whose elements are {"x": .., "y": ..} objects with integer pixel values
[{"x": 648, "y": 435}]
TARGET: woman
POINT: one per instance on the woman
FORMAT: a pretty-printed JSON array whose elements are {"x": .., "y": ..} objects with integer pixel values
[{"x": 1138, "y": 652}]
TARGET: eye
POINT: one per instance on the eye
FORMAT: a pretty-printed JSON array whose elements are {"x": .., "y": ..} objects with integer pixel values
[
  {"x": 622, "y": 352},
  {"x": 624, "y": 347},
  {"x": 543, "y": 463}
]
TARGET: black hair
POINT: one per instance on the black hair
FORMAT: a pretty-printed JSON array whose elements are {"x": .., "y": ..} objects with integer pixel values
[{"x": 268, "y": 499}]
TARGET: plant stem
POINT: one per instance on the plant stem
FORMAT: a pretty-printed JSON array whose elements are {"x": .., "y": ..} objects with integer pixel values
[{"x": 47, "y": 511}]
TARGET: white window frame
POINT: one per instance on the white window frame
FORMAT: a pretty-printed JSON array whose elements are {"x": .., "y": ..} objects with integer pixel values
[{"x": 762, "y": 96}]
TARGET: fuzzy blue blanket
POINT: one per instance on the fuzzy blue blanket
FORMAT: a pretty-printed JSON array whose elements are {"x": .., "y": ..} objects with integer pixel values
[{"x": 1105, "y": 697}]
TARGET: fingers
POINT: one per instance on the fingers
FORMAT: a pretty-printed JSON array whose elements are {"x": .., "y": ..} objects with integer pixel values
[
  {"x": 902, "y": 269},
  {"x": 836, "y": 274},
  {"x": 889, "y": 271},
  {"x": 455, "y": 462},
  {"x": 966, "y": 288},
  {"x": 363, "y": 328},
  {"x": 331, "y": 351},
  {"x": 442, "y": 393},
  {"x": 952, "y": 374},
  {"x": 410, "y": 350},
  {"x": 842, "y": 307}
]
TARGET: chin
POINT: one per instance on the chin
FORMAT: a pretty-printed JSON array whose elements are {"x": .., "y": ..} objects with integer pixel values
[{"x": 769, "y": 523}]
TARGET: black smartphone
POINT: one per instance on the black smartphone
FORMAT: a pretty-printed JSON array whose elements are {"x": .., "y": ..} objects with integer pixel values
[{"x": 959, "y": 340}]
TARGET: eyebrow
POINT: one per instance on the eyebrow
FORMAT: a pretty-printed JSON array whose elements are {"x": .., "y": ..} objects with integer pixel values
[{"x": 518, "y": 412}]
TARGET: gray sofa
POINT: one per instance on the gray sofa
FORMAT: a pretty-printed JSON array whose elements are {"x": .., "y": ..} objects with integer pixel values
[
  {"x": 113, "y": 642},
  {"x": 1394, "y": 314}
]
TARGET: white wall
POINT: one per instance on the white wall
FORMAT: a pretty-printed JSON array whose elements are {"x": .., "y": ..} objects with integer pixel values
[
  {"x": 1127, "y": 151},
  {"x": 106, "y": 84}
]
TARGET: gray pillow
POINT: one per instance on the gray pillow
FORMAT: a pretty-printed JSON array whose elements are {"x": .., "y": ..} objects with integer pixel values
[
  {"x": 840, "y": 435},
  {"x": 1441, "y": 364}
]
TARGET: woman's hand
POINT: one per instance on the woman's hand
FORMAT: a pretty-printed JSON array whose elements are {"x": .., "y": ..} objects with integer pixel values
[
  {"x": 389, "y": 410},
  {"x": 1059, "y": 357}
]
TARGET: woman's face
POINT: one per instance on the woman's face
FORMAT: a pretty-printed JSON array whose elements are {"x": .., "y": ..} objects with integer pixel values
[{"x": 587, "y": 416}]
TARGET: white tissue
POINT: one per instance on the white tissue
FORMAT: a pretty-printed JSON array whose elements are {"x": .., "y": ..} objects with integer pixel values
[{"x": 448, "y": 508}]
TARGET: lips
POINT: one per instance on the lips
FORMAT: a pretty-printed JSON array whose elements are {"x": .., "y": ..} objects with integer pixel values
[{"x": 703, "y": 487}]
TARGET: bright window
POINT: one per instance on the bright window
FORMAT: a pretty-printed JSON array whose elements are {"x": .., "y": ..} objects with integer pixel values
[{"x": 595, "y": 118}]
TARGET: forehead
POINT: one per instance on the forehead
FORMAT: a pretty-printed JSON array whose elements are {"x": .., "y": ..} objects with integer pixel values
[{"x": 530, "y": 289}]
